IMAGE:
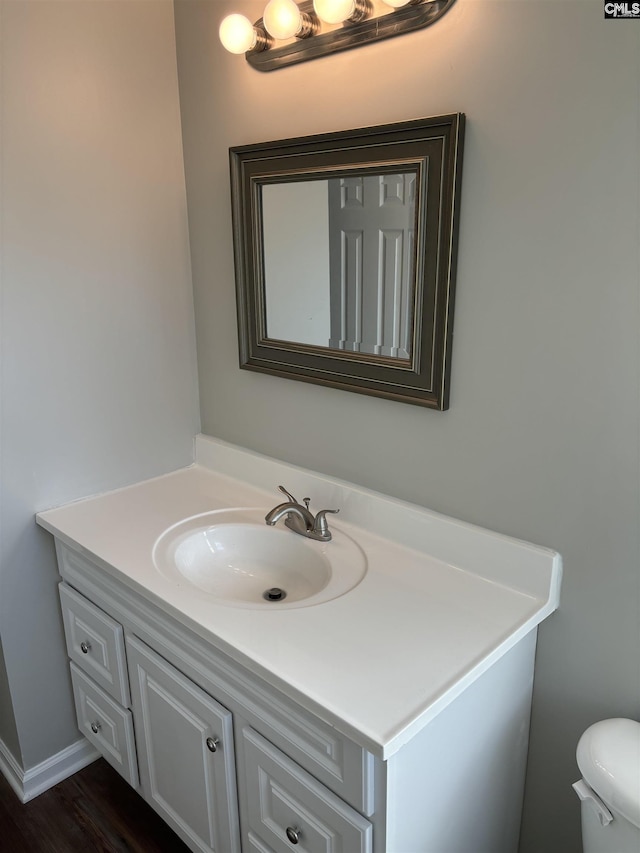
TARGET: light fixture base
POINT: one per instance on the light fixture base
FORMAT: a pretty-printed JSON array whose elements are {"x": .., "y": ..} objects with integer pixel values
[
  {"x": 263, "y": 41},
  {"x": 309, "y": 26},
  {"x": 362, "y": 11}
]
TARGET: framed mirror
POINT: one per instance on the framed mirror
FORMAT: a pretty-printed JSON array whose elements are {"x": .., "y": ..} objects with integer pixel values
[{"x": 345, "y": 251}]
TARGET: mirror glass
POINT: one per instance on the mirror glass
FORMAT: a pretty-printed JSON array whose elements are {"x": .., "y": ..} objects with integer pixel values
[
  {"x": 345, "y": 248},
  {"x": 339, "y": 262}
]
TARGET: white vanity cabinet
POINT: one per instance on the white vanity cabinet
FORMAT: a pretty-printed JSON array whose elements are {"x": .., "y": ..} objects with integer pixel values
[
  {"x": 209, "y": 737},
  {"x": 234, "y": 765}
]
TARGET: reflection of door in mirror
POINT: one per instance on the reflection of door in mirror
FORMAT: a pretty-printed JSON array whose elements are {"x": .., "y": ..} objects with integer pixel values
[
  {"x": 339, "y": 262},
  {"x": 371, "y": 247}
]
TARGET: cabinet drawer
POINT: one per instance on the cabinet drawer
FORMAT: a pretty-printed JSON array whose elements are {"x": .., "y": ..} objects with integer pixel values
[
  {"x": 108, "y": 726},
  {"x": 344, "y": 767},
  {"x": 283, "y": 799},
  {"x": 95, "y": 642}
]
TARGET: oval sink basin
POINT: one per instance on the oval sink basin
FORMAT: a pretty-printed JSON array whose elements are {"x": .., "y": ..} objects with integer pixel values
[{"x": 236, "y": 558}]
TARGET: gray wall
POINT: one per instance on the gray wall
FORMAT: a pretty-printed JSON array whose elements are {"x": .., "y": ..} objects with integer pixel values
[
  {"x": 541, "y": 440},
  {"x": 8, "y": 730},
  {"x": 99, "y": 383}
]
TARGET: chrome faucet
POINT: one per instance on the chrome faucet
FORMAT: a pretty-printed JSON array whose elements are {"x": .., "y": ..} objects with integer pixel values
[{"x": 300, "y": 519}]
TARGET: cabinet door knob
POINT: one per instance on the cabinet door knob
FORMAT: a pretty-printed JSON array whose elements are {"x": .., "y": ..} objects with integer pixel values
[
  {"x": 293, "y": 834},
  {"x": 95, "y": 727},
  {"x": 84, "y": 647},
  {"x": 212, "y": 744}
]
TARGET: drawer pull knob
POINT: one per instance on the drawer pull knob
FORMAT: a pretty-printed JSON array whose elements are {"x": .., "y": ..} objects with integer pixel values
[
  {"x": 293, "y": 834},
  {"x": 84, "y": 647},
  {"x": 212, "y": 744},
  {"x": 95, "y": 728}
]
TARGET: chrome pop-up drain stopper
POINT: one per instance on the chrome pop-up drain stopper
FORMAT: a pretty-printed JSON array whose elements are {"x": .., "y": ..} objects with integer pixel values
[{"x": 274, "y": 594}]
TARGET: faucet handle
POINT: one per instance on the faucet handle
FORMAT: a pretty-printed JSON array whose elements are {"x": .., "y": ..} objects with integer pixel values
[
  {"x": 320, "y": 525},
  {"x": 288, "y": 494}
]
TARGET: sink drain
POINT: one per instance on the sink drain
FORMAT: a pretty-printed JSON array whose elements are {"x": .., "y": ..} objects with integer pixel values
[{"x": 274, "y": 594}]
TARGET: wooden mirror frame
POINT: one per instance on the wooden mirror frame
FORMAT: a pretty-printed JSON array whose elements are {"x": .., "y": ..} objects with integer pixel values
[{"x": 433, "y": 147}]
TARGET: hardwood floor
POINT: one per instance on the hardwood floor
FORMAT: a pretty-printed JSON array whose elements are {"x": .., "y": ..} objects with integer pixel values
[{"x": 94, "y": 811}]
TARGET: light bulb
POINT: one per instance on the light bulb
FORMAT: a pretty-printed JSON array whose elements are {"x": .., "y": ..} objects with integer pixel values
[
  {"x": 237, "y": 34},
  {"x": 282, "y": 19},
  {"x": 337, "y": 11},
  {"x": 334, "y": 11}
]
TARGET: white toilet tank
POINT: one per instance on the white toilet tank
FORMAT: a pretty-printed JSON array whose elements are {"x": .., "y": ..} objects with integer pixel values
[{"x": 608, "y": 756}]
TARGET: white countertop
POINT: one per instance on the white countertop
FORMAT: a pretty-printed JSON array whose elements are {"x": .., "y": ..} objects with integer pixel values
[{"x": 440, "y": 602}]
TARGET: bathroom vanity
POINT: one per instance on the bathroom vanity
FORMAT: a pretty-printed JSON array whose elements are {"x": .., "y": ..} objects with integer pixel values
[{"x": 388, "y": 714}]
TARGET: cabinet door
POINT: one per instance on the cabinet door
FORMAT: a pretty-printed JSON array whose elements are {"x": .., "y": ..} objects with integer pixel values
[{"x": 185, "y": 753}]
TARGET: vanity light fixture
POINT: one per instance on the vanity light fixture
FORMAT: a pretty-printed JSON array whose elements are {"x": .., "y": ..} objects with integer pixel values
[{"x": 291, "y": 32}]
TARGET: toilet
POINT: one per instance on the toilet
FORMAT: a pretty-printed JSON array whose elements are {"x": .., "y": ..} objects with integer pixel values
[{"x": 608, "y": 756}]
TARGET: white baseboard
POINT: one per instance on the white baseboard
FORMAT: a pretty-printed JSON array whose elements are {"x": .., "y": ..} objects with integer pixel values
[{"x": 27, "y": 784}]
